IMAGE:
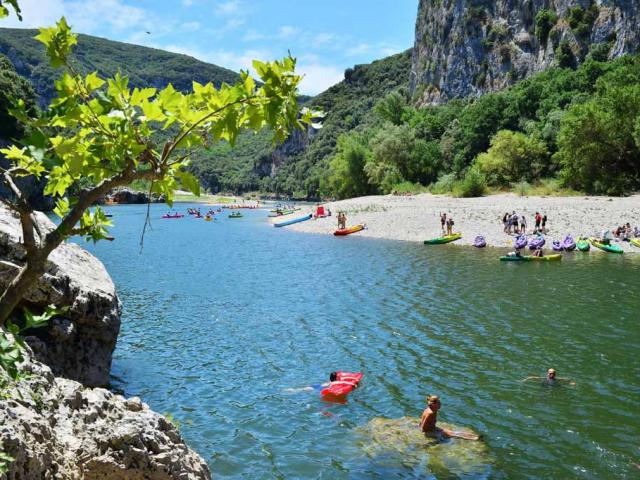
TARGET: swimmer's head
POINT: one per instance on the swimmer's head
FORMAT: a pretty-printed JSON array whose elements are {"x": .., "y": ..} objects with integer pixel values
[
  {"x": 333, "y": 376},
  {"x": 551, "y": 373},
  {"x": 433, "y": 401}
]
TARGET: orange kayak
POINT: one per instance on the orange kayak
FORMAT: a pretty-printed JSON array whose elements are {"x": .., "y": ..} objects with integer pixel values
[{"x": 350, "y": 230}]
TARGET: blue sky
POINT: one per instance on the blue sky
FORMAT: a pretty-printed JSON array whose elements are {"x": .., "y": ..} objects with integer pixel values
[{"x": 327, "y": 36}]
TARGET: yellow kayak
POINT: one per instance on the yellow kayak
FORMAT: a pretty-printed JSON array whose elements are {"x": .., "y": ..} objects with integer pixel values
[
  {"x": 635, "y": 242},
  {"x": 446, "y": 239}
]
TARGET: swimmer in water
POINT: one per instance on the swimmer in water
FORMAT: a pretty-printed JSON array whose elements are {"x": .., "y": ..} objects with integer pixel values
[
  {"x": 551, "y": 378},
  {"x": 333, "y": 379},
  {"x": 430, "y": 417}
]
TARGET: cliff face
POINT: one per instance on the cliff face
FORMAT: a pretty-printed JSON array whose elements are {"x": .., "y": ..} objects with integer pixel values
[{"x": 469, "y": 47}]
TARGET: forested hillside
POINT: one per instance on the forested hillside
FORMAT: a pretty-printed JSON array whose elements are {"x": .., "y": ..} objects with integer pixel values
[
  {"x": 298, "y": 167},
  {"x": 145, "y": 67},
  {"x": 562, "y": 128}
]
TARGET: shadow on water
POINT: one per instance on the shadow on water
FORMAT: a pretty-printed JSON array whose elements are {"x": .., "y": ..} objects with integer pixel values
[{"x": 221, "y": 318}]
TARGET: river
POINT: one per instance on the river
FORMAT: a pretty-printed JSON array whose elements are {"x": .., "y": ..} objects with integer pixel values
[{"x": 222, "y": 320}]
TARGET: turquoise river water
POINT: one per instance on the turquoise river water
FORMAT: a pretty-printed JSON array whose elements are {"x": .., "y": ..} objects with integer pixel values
[{"x": 224, "y": 321}]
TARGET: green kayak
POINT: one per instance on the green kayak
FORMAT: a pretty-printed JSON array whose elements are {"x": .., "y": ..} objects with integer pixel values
[
  {"x": 583, "y": 245},
  {"x": 607, "y": 248},
  {"x": 531, "y": 258},
  {"x": 441, "y": 240}
]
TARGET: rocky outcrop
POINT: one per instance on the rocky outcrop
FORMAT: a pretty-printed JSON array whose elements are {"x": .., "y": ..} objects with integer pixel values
[
  {"x": 126, "y": 195},
  {"x": 79, "y": 344},
  {"x": 56, "y": 428},
  {"x": 469, "y": 47}
]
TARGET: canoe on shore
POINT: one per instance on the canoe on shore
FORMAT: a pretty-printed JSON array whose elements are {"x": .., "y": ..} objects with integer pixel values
[
  {"x": 292, "y": 221},
  {"x": 605, "y": 247},
  {"x": 531, "y": 258},
  {"x": 583, "y": 245},
  {"x": 446, "y": 239},
  {"x": 349, "y": 230}
]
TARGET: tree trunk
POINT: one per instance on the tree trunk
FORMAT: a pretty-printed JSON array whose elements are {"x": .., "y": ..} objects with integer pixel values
[{"x": 26, "y": 278}]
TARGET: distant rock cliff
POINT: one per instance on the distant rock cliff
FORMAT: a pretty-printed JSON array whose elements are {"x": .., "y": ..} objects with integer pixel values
[{"x": 469, "y": 47}]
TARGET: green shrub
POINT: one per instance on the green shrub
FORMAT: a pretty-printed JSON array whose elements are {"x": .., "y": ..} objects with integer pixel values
[
  {"x": 444, "y": 184},
  {"x": 565, "y": 56},
  {"x": 545, "y": 21},
  {"x": 474, "y": 184},
  {"x": 409, "y": 187}
]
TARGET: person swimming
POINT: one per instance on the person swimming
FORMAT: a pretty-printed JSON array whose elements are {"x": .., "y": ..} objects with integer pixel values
[
  {"x": 429, "y": 419},
  {"x": 551, "y": 378}
]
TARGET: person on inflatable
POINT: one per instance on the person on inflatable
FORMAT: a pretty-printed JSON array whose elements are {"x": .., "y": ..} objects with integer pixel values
[{"x": 430, "y": 417}]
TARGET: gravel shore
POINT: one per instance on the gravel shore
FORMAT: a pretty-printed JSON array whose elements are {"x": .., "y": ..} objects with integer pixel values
[{"x": 417, "y": 218}]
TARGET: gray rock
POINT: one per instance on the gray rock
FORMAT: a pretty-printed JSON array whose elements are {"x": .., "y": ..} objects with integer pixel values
[
  {"x": 467, "y": 48},
  {"x": 79, "y": 345},
  {"x": 56, "y": 428}
]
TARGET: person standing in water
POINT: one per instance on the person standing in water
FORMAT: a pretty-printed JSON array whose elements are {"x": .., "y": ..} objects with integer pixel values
[
  {"x": 430, "y": 418},
  {"x": 551, "y": 378}
]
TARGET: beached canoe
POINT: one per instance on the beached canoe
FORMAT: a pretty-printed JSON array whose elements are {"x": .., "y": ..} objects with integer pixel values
[
  {"x": 531, "y": 258},
  {"x": 349, "y": 230},
  {"x": 583, "y": 245},
  {"x": 292, "y": 221},
  {"x": 605, "y": 247},
  {"x": 441, "y": 240},
  {"x": 635, "y": 242}
]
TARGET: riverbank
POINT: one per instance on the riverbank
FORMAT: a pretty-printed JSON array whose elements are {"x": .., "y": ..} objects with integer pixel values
[{"x": 416, "y": 218}]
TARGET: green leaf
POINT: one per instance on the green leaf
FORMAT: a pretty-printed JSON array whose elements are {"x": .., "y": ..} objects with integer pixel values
[{"x": 189, "y": 182}]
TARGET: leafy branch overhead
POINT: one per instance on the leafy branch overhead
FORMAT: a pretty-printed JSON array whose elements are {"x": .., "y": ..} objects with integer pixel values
[
  {"x": 99, "y": 133},
  {"x": 4, "y": 10}
]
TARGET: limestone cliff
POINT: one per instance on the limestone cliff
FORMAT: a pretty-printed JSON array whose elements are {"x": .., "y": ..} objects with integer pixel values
[{"x": 469, "y": 47}]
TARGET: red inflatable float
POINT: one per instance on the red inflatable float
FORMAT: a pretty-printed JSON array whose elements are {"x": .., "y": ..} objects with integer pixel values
[{"x": 338, "y": 390}]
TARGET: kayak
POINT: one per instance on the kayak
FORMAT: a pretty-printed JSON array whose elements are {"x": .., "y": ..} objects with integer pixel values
[
  {"x": 605, "y": 247},
  {"x": 207, "y": 218},
  {"x": 345, "y": 383},
  {"x": 520, "y": 242},
  {"x": 349, "y": 230},
  {"x": 172, "y": 216},
  {"x": 446, "y": 239},
  {"x": 569, "y": 243},
  {"x": 235, "y": 215},
  {"x": 292, "y": 221},
  {"x": 480, "y": 242},
  {"x": 282, "y": 213},
  {"x": 531, "y": 258},
  {"x": 635, "y": 242},
  {"x": 583, "y": 245}
]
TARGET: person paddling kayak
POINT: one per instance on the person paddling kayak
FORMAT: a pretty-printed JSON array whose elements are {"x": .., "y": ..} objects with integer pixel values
[{"x": 430, "y": 418}]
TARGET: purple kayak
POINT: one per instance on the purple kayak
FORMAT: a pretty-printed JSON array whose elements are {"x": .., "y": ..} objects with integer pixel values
[
  {"x": 537, "y": 242},
  {"x": 569, "y": 243},
  {"x": 521, "y": 242},
  {"x": 480, "y": 242},
  {"x": 557, "y": 246}
]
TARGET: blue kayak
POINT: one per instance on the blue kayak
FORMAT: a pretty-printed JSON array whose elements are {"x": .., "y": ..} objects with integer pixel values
[{"x": 292, "y": 221}]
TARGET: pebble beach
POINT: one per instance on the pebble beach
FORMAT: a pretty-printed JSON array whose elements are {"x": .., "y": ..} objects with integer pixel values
[{"x": 417, "y": 218}]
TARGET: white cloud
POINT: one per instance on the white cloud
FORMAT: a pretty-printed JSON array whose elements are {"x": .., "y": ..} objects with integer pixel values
[
  {"x": 191, "y": 26},
  {"x": 288, "y": 31},
  {"x": 318, "y": 77},
  {"x": 88, "y": 16},
  {"x": 230, "y": 8},
  {"x": 360, "y": 49},
  {"x": 253, "y": 36}
]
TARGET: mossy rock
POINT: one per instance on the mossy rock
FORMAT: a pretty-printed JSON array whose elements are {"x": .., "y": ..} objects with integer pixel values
[{"x": 400, "y": 441}]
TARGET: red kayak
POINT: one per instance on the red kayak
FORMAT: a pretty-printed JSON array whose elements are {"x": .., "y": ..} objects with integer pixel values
[
  {"x": 350, "y": 230},
  {"x": 337, "y": 391}
]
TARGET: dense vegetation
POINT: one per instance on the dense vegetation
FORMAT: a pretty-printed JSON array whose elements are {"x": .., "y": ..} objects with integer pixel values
[
  {"x": 301, "y": 163},
  {"x": 145, "y": 67},
  {"x": 580, "y": 127}
]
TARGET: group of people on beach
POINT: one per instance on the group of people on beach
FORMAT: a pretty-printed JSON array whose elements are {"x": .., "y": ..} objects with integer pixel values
[
  {"x": 625, "y": 232},
  {"x": 446, "y": 222},
  {"x": 514, "y": 224}
]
